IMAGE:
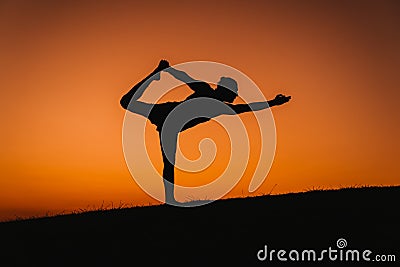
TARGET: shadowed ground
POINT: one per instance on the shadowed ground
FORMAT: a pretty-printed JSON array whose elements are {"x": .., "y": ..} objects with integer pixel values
[{"x": 226, "y": 232}]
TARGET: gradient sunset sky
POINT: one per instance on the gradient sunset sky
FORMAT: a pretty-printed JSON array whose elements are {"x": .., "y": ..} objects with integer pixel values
[{"x": 65, "y": 65}]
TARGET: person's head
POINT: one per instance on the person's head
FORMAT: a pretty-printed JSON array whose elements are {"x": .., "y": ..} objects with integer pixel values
[{"x": 227, "y": 89}]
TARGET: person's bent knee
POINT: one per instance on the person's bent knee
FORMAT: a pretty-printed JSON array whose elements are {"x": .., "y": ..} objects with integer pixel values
[{"x": 124, "y": 103}]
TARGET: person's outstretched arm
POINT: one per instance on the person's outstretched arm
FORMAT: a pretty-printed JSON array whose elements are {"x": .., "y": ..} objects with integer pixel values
[
  {"x": 182, "y": 76},
  {"x": 138, "y": 89},
  {"x": 241, "y": 108}
]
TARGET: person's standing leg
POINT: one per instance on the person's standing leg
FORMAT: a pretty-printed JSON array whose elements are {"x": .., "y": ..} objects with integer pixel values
[{"x": 168, "y": 148}]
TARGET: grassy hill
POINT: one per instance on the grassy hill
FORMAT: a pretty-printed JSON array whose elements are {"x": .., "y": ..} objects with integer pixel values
[{"x": 226, "y": 232}]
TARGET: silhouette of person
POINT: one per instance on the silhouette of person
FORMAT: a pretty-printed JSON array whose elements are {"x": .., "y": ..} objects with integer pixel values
[{"x": 171, "y": 118}]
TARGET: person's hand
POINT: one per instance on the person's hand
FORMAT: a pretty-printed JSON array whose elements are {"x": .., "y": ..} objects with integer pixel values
[
  {"x": 281, "y": 99},
  {"x": 162, "y": 65}
]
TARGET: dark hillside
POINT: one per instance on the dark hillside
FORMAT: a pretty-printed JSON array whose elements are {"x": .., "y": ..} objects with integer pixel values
[{"x": 226, "y": 232}]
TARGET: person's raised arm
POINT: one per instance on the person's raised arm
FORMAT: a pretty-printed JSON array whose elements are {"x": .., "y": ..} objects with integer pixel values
[
  {"x": 255, "y": 106},
  {"x": 180, "y": 75},
  {"x": 194, "y": 84}
]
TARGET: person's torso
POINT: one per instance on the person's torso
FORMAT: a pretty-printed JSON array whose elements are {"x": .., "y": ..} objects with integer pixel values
[{"x": 160, "y": 112}]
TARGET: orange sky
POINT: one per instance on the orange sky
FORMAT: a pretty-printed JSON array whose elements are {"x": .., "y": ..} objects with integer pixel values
[{"x": 65, "y": 66}]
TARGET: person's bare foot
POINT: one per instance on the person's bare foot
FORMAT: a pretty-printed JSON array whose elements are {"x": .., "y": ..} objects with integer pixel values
[
  {"x": 170, "y": 200},
  {"x": 163, "y": 64}
]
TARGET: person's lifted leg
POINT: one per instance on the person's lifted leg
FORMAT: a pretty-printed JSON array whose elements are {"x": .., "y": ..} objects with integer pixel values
[{"x": 134, "y": 94}]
